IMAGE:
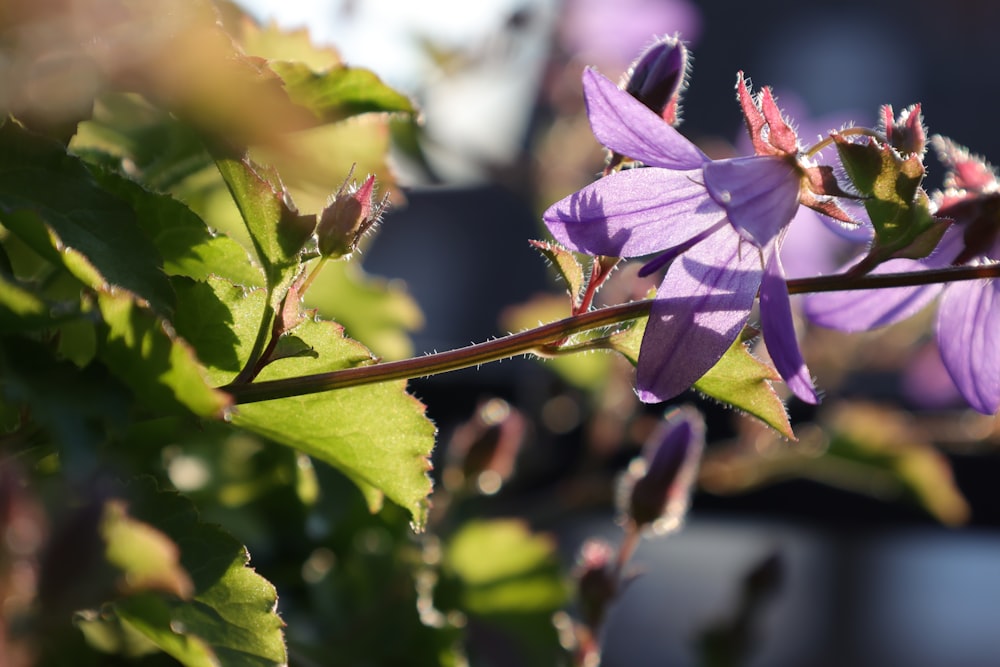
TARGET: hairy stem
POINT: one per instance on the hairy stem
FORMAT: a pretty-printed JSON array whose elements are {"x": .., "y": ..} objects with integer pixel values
[{"x": 539, "y": 341}]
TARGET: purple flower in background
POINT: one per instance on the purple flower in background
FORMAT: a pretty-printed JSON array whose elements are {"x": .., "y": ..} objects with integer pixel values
[
  {"x": 602, "y": 32},
  {"x": 969, "y": 313},
  {"x": 723, "y": 222}
]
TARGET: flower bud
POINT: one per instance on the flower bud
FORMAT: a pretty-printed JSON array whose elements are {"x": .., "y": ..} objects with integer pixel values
[
  {"x": 657, "y": 77},
  {"x": 906, "y": 134},
  {"x": 657, "y": 486},
  {"x": 483, "y": 451},
  {"x": 596, "y": 586},
  {"x": 349, "y": 214}
]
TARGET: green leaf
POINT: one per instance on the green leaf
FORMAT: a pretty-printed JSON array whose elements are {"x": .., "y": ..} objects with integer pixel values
[
  {"x": 220, "y": 321},
  {"x": 339, "y": 92},
  {"x": 54, "y": 204},
  {"x": 142, "y": 350},
  {"x": 186, "y": 244},
  {"x": 504, "y": 576},
  {"x": 22, "y": 310},
  {"x": 146, "y": 558},
  {"x": 230, "y": 619},
  {"x": 738, "y": 379},
  {"x": 565, "y": 264},
  {"x": 898, "y": 207},
  {"x": 377, "y": 434},
  {"x": 278, "y": 232}
]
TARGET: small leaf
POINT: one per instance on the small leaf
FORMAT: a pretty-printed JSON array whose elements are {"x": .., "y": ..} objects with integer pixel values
[
  {"x": 566, "y": 264},
  {"x": 339, "y": 92},
  {"x": 54, "y": 204},
  {"x": 377, "y": 434},
  {"x": 142, "y": 350}
]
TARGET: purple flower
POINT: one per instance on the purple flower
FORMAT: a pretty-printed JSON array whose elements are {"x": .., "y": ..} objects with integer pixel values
[
  {"x": 722, "y": 221},
  {"x": 969, "y": 312}
]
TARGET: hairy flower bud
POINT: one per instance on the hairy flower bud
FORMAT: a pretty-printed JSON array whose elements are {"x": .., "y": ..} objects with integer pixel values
[
  {"x": 657, "y": 77},
  {"x": 657, "y": 486},
  {"x": 906, "y": 134},
  {"x": 349, "y": 214}
]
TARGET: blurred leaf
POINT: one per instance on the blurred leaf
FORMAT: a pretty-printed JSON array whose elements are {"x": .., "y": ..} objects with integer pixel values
[
  {"x": 565, "y": 264},
  {"x": 738, "y": 379},
  {"x": 21, "y": 310},
  {"x": 373, "y": 310},
  {"x": 339, "y": 92},
  {"x": 275, "y": 43},
  {"x": 79, "y": 408},
  {"x": 510, "y": 579},
  {"x": 868, "y": 449},
  {"x": 891, "y": 448},
  {"x": 587, "y": 371},
  {"x": 54, "y": 204},
  {"x": 159, "y": 366},
  {"x": 147, "y": 559},
  {"x": 231, "y": 619},
  {"x": 377, "y": 434}
]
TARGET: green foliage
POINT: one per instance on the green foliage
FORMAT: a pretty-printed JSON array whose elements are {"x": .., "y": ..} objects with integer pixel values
[{"x": 896, "y": 204}]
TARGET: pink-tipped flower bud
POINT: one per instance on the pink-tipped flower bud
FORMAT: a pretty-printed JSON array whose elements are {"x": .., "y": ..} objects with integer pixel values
[
  {"x": 657, "y": 487},
  {"x": 349, "y": 214},
  {"x": 657, "y": 77},
  {"x": 482, "y": 452},
  {"x": 906, "y": 133}
]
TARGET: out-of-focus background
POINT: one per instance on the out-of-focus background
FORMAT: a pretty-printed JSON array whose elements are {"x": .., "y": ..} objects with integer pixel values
[{"x": 868, "y": 574}]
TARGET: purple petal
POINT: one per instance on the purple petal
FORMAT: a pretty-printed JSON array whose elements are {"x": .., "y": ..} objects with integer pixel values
[
  {"x": 967, "y": 323},
  {"x": 633, "y": 213},
  {"x": 760, "y": 194},
  {"x": 779, "y": 331},
  {"x": 626, "y": 126},
  {"x": 861, "y": 310},
  {"x": 701, "y": 307}
]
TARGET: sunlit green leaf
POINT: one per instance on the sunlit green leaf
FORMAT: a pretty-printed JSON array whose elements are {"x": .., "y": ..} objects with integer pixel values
[
  {"x": 565, "y": 263},
  {"x": 230, "y": 620},
  {"x": 142, "y": 350},
  {"x": 278, "y": 232},
  {"x": 897, "y": 206},
  {"x": 53, "y": 203},
  {"x": 220, "y": 321},
  {"x": 377, "y": 435},
  {"x": 186, "y": 244}
]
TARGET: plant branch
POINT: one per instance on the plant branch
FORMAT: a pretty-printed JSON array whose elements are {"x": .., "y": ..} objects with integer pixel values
[{"x": 539, "y": 341}]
